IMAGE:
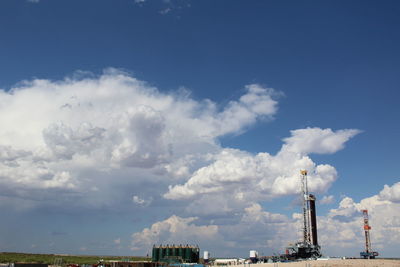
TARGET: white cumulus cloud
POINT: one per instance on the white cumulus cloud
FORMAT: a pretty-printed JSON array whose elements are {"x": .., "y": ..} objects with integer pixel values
[
  {"x": 241, "y": 175},
  {"x": 316, "y": 140},
  {"x": 327, "y": 200},
  {"x": 175, "y": 230},
  {"x": 75, "y": 135},
  {"x": 391, "y": 193}
]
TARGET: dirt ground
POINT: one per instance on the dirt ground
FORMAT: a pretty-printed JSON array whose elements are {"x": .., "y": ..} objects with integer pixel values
[{"x": 331, "y": 263}]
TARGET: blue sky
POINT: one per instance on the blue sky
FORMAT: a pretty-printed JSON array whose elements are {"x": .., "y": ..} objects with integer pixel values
[{"x": 331, "y": 64}]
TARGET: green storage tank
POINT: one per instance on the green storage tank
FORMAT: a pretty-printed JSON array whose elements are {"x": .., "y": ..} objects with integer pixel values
[
  {"x": 155, "y": 254},
  {"x": 161, "y": 253},
  {"x": 175, "y": 251},
  {"x": 187, "y": 254},
  {"x": 181, "y": 252},
  {"x": 166, "y": 251},
  {"x": 169, "y": 251}
]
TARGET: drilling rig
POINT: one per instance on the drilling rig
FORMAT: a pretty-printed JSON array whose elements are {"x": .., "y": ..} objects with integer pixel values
[
  {"x": 308, "y": 247},
  {"x": 368, "y": 253}
]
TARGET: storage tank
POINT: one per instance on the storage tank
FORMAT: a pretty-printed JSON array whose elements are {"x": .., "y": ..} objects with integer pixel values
[
  {"x": 206, "y": 256},
  {"x": 155, "y": 254},
  {"x": 175, "y": 251},
  {"x": 161, "y": 253},
  {"x": 253, "y": 256},
  {"x": 168, "y": 251},
  {"x": 181, "y": 252},
  {"x": 188, "y": 254}
]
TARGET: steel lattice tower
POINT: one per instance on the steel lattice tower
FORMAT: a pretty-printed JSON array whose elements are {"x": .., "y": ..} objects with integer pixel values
[
  {"x": 366, "y": 231},
  {"x": 368, "y": 253},
  {"x": 306, "y": 208}
]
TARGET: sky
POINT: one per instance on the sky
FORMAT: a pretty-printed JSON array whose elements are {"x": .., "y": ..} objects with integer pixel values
[{"x": 128, "y": 123}]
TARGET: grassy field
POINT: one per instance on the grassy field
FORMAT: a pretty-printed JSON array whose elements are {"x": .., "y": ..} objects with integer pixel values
[{"x": 6, "y": 257}]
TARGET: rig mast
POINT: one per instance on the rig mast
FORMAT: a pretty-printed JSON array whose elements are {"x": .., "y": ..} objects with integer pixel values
[
  {"x": 306, "y": 208},
  {"x": 308, "y": 247},
  {"x": 368, "y": 253}
]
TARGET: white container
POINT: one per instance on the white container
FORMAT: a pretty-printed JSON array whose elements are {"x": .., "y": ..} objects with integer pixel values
[
  {"x": 253, "y": 254},
  {"x": 206, "y": 255}
]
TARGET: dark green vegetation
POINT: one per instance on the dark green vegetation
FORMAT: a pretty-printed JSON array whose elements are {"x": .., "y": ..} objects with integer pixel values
[{"x": 66, "y": 259}]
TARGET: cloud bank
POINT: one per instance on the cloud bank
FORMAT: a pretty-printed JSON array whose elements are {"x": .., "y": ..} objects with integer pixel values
[
  {"x": 114, "y": 142},
  {"x": 56, "y": 134}
]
